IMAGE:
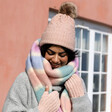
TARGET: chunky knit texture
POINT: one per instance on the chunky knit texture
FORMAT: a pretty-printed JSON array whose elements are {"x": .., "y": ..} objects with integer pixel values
[
  {"x": 49, "y": 102},
  {"x": 74, "y": 86},
  {"x": 60, "y": 31},
  {"x": 41, "y": 75}
]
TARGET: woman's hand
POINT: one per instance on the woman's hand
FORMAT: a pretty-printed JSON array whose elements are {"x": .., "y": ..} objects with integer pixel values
[
  {"x": 49, "y": 102},
  {"x": 74, "y": 86}
]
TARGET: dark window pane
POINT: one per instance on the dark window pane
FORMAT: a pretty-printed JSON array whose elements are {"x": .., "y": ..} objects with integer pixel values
[
  {"x": 103, "y": 102},
  {"x": 85, "y": 39},
  {"x": 79, "y": 61},
  {"x": 97, "y": 42},
  {"x": 95, "y": 103},
  {"x": 105, "y": 43},
  {"x": 104, "y": 63},
  {"x": 85, "y": 78},
  {"x": 97, "y": 62},
  {"x": 78, "y": 37},
  {"x": 103, "y": 82},
  {"x": 85, "y": 58},
  {"x": 96, "y": 83}
]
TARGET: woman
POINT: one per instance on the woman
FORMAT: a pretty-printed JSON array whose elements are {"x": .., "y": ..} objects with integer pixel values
[{"x": 51, "y": 82}]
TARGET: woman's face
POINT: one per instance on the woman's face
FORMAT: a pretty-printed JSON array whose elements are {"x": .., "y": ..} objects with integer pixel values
[{"x": 56, "y": 56}]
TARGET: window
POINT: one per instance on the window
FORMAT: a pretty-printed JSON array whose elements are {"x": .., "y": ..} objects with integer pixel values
[
  {"x": 100, "y": 72},
  {"x": 82, "y": 45},
  {"x": 94, "y": 44}
]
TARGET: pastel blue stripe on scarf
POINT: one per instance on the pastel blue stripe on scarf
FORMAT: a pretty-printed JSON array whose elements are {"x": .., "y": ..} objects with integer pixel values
[
  {"x": 65, "y": 70},
  {"x": 63, "y": 79},
  {"x": 28, "y": 63},
  {"x": 39, "y": 93},
  {"x": 37, "y": 62}
]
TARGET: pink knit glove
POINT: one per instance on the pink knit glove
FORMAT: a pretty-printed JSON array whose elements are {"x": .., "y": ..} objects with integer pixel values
[
  {"x": 49, "y": 102},
  {"x": 74, "y": 86}
]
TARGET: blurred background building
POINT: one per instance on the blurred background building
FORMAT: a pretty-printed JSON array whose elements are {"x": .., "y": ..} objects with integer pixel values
[{"x": 23, "y": 21}]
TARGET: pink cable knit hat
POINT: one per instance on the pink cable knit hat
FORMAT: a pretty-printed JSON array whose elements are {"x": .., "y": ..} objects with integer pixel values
[{"x": 61, "y": 29}]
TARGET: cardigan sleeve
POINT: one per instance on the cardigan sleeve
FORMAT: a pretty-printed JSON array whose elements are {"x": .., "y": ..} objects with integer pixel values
[
  {"x": 81, "y": 104},
  {"x": 21, "y": 96}
]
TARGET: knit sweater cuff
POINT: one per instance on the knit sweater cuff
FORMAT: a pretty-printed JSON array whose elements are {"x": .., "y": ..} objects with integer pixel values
[{"x": 74, "y": 86}]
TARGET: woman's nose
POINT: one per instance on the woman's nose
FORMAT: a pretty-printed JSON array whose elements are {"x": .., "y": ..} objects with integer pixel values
[{"x": 55, "y": 59}]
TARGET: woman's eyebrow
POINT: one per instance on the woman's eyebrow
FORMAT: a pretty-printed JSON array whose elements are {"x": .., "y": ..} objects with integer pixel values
[
  {"x": 59, "y": 52},
  {"x": 62, "y": 52}
]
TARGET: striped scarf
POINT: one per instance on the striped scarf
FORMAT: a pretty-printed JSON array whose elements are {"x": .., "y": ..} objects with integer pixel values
[{"x": 41, "y": 75}]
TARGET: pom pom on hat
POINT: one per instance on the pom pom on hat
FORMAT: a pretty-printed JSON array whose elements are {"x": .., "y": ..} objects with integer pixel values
[
  {"x": 69, "y": 9},
  {"x": 61, "y": 29}
]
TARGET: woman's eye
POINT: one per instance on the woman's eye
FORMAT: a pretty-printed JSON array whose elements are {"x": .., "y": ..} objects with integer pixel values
[
  {"x": 50, "y": 53},
  {"x": 63, "y": 55}
]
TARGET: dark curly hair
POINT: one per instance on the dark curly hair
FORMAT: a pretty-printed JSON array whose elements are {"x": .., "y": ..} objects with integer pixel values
[{"x": 71, "y": 54}]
